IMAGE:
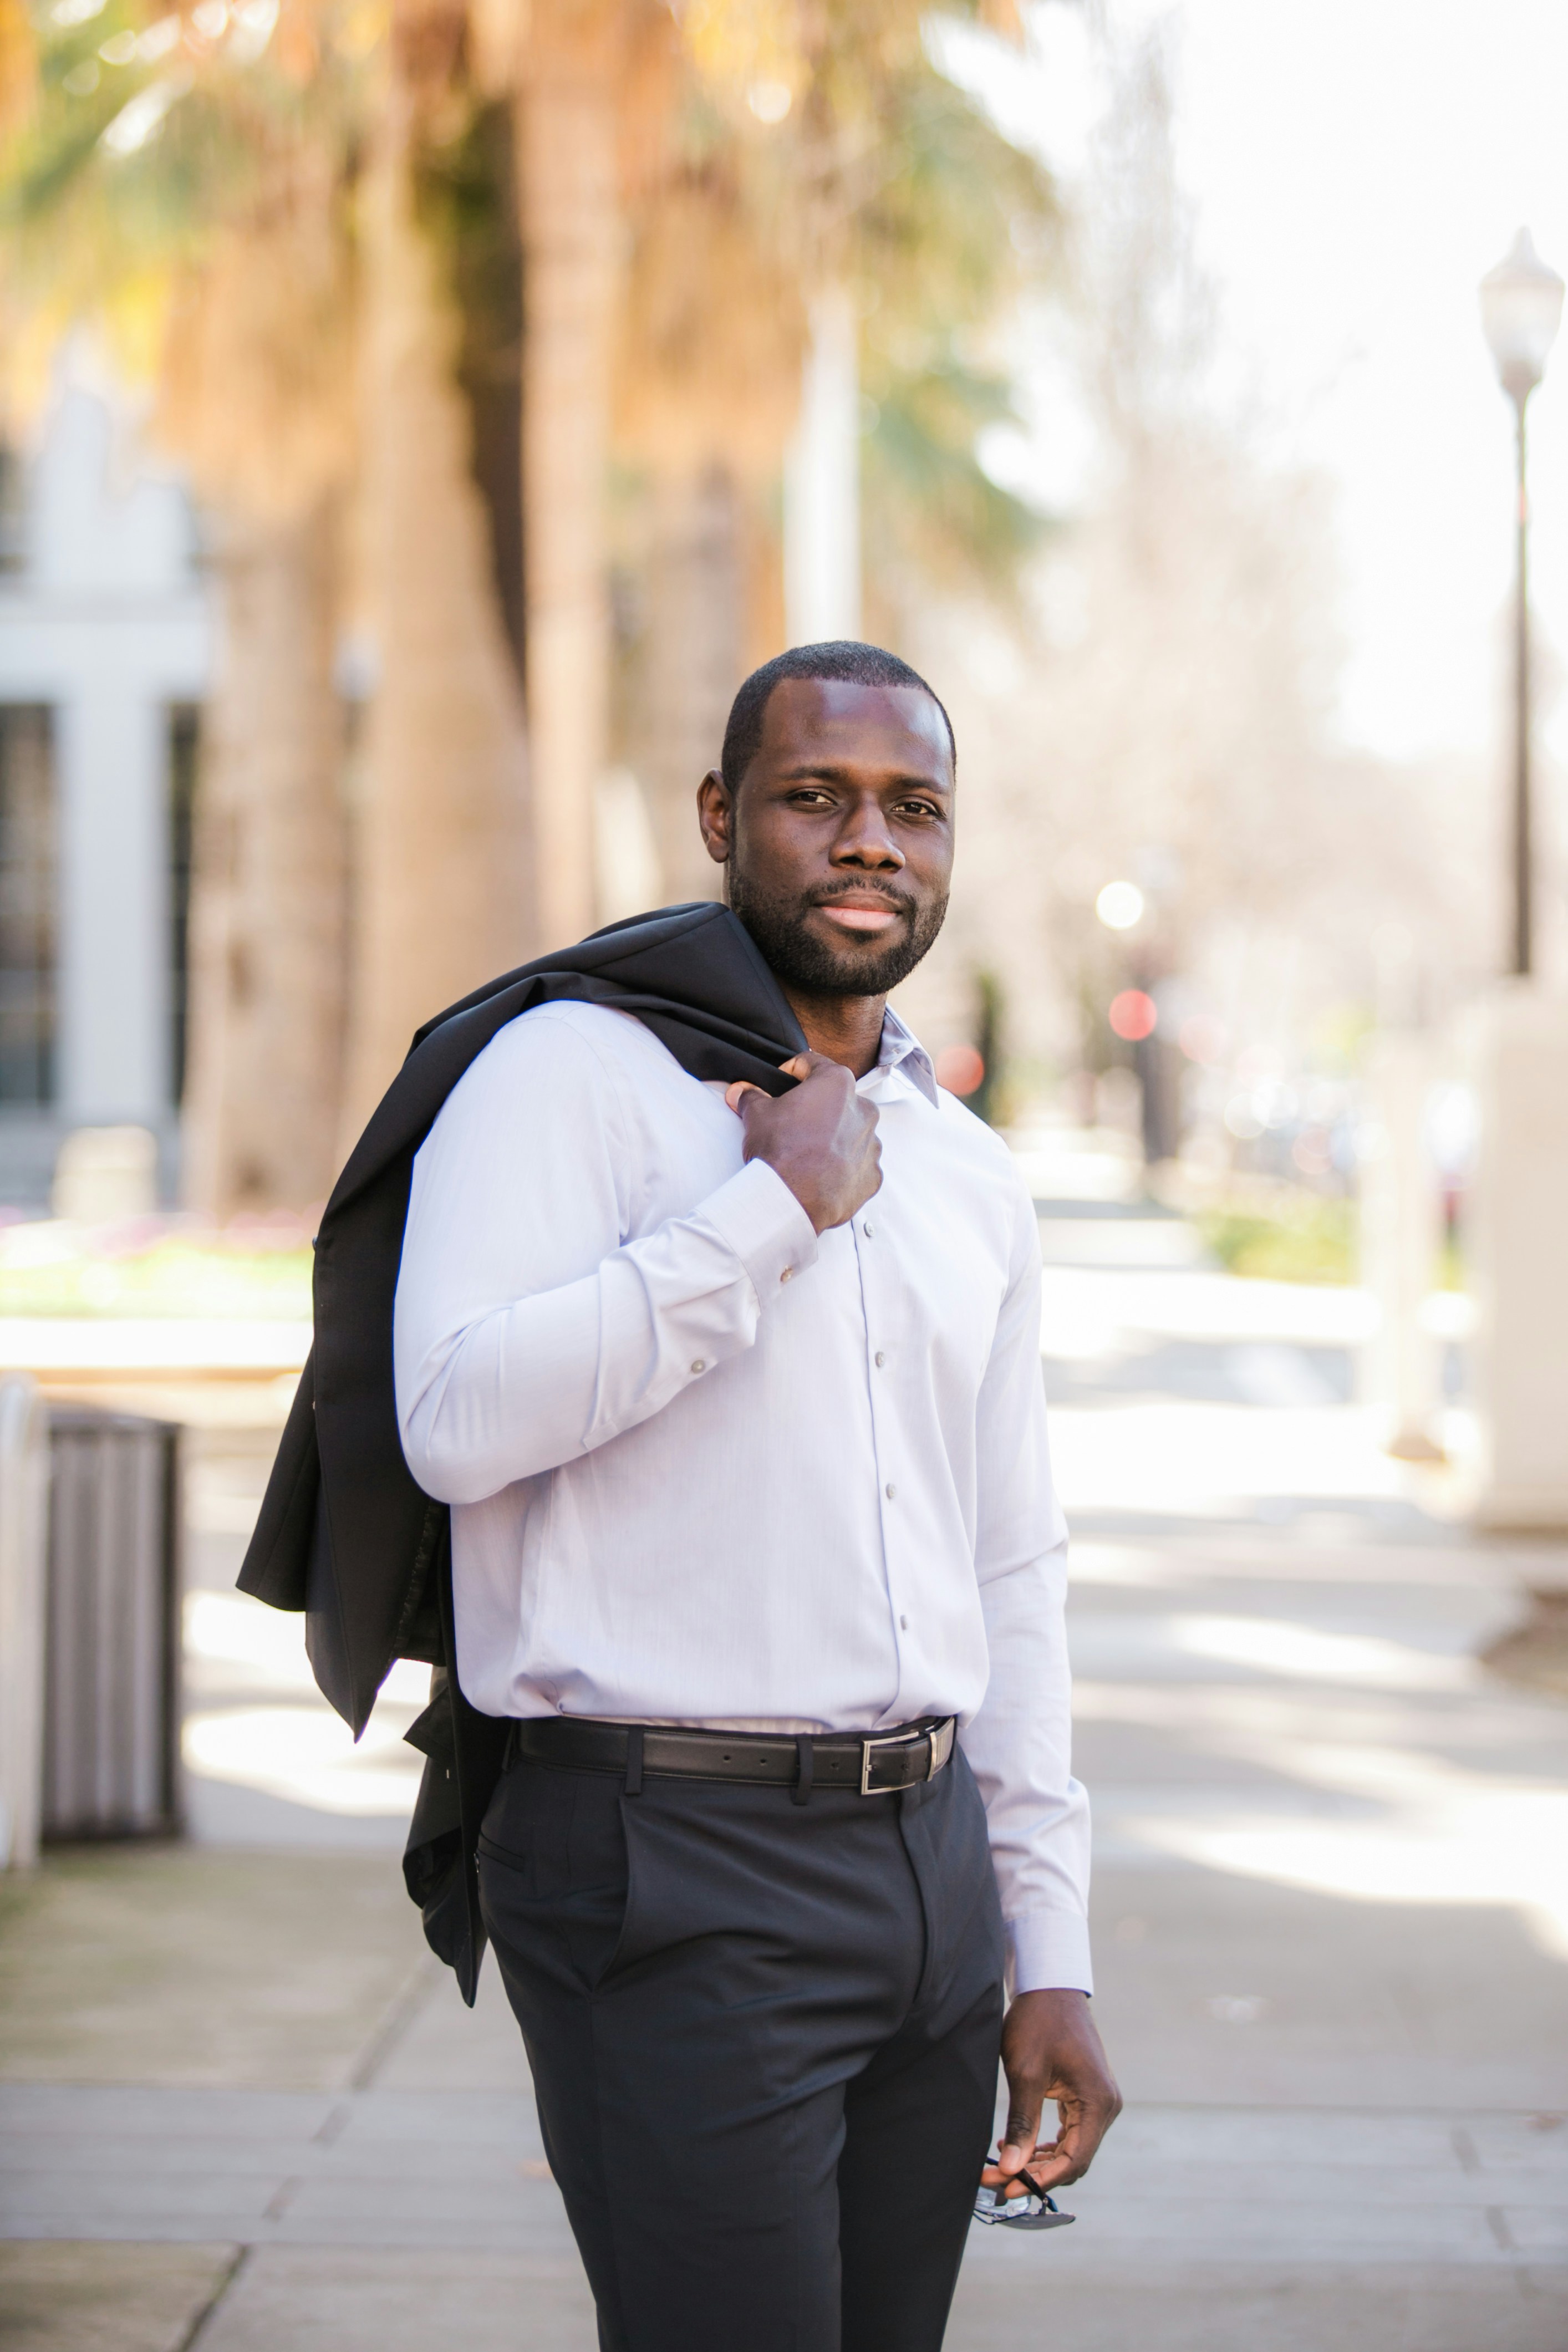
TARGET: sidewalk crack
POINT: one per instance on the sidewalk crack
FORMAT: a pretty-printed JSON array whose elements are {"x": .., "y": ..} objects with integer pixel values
[
  {"x": 282, "y": 2197},
  {"x": 405, "y": 2007},
  {"x": 192, "y": 2336}
]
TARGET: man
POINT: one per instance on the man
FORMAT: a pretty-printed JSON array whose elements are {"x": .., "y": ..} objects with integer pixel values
[{"x": 737, "y": 1401}]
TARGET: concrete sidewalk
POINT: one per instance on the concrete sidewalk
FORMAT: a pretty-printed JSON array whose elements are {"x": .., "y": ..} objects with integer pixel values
[{"x": 242, "y": 2111}]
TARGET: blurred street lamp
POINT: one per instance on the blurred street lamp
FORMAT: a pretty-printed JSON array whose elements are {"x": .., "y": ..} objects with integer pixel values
[
  {"x": 1522, "y": 305},
  {"x": 1120, "y": 906}
]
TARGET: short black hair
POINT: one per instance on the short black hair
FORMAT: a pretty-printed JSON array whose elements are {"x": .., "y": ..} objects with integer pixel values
[{"x": 841, "y": 659}]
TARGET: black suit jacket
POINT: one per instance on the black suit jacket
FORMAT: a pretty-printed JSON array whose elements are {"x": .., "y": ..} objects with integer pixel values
[{"x": 344, "y": 1533}]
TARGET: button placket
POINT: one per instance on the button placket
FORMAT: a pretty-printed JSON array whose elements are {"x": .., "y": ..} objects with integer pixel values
[
  {"x": 879, "y": 1360},
  {"x": 874, "y": 1265}
]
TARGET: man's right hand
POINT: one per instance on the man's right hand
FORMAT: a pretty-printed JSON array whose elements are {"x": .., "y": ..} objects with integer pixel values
[{"x": 821, "y": 1138}]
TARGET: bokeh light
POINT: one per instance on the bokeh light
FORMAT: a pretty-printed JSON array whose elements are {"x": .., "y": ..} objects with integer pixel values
[
  {"x": 960, "y": 1069},
  {"x": 1120, "y": 906},
  {"x": 1134, "y": 1014}
]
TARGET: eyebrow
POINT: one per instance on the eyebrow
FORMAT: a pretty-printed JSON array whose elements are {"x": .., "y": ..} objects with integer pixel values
[{"x": 829, "y": 773}]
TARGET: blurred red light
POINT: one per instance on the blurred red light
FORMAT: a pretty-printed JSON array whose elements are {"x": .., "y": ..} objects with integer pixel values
[
  {"x": 960, "y": 1069},
  {"x": 1134, "y": 1014}
]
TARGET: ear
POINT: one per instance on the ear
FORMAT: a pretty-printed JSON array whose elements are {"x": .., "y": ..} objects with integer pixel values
[{"x": 715, "y": 815}]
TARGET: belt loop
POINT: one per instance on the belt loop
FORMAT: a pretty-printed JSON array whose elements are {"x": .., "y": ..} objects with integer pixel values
[
  {"x": 633, "y": 1760},
  {"x": 801, "y": 1792}
]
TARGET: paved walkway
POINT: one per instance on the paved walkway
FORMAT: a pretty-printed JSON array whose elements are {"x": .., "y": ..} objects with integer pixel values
[{"x": 242, "y": 2113}]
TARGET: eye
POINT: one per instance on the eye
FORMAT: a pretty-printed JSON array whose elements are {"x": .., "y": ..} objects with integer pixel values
[
  {"x": 810, "y": 796},
  {"x": 918, "y": 809}
]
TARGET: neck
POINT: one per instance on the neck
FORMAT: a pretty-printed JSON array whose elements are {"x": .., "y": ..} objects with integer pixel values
[{"x": 847, "y": 1029}]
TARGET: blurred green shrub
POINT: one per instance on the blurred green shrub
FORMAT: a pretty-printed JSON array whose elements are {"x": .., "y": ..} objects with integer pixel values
[
  {"x": 48, "y": 1270},
  {"x": 1302, "y": 1237}
]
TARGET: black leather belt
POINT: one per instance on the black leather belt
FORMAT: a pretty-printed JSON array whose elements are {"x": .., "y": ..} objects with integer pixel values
[{"x": 873, "y": 1765}]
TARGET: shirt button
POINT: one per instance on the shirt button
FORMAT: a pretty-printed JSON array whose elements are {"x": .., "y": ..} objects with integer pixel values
[
  {"x": 785, "y": 1274},
  {"x": 700, "y": 1366},
  {"x": 903, "y": 1624},
  {"x": 882, "y": 1359},
  {"x": 892, "y": 1491},
  {"x": 865, "y": 1229}
]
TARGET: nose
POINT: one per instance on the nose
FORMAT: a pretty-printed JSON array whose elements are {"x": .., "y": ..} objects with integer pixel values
[{"x": 865, "y": 841}]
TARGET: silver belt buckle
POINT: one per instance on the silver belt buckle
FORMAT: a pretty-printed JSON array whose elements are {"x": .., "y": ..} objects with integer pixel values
[{"x": 893, "y": 1739}]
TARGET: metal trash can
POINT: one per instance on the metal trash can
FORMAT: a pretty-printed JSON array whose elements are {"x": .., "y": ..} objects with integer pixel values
[{"x": 111, "y": 1660}]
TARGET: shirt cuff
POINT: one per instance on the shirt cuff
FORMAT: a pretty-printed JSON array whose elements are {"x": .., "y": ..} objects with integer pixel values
[
  {"x": 758, "y": 1217},
  {"x": 1049, "y": 1952}
]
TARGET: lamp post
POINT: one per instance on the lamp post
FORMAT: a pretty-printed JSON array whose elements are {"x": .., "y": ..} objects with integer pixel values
[{"x": 1521, "y": 304}]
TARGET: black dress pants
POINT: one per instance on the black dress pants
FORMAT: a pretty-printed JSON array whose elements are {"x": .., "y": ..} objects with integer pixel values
[{"x": 763, "y": 2038}]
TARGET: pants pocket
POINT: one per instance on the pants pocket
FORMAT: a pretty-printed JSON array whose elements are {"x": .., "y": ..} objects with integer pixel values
[
  {"x": 552, "y": 1871},
  {"x": 633, "y": 1941}
]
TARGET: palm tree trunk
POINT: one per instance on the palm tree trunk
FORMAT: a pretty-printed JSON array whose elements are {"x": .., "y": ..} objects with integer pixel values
[
  {"x": 568, "y": 203},
  {"x": 266, "y": 963},
  {"x": 692, "y": 656},
  {"x": 445, "y": 898}
]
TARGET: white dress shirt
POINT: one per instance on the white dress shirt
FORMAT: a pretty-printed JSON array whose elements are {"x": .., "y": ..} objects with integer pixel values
[{"x": 709, "y": 1467}]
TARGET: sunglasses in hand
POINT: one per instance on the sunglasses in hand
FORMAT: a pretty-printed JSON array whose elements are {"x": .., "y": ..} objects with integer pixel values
[{"x": 1033, "y": 2210}]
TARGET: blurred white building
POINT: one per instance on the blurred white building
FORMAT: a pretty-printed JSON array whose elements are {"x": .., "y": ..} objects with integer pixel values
[{"x": 106, "y": 639}]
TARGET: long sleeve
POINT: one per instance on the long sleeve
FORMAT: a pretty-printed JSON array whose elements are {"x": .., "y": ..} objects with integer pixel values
[
  {"x": 1019, "y": 1742},
  {"x": 527, "y": 1328}
]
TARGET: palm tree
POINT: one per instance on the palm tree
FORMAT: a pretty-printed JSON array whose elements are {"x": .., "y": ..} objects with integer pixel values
[
  {"x": 674, "y": 230},
  {"x": 811, "y": 160},
  {"x": 710, "y": 351},
  {"x": 572, "y": 68},
  {"x": 272, "y": 271},
  {"x": 275, "y": 211},
  {"x": 443, "y": 882},
  {"x": 266, "y": 949}
]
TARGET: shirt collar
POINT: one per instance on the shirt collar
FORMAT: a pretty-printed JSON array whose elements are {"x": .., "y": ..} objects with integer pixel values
[{"x": 901, "y": 1052}]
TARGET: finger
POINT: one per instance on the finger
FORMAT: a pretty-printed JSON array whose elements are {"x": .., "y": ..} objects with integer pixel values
[
  {"x": 813, "y": 1065},
  {"x": 738, "y": 1087},
  {"x": 1044, "y": 2168},
  {"x": 1073, "y": 2151},
  {"x": 1023, "y": 2132},
  {"x": 1050, "y": 2167},
  {"x": 1010, "y": 2184}
]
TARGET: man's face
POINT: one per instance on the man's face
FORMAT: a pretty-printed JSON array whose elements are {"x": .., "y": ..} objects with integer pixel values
[{"x": 838, "y": 843}]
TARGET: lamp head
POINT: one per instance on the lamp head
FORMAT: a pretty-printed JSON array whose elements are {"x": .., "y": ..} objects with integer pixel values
[{"x": 1522, "y": 305}]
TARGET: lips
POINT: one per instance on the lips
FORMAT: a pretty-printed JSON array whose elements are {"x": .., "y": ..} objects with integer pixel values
[{"x": 861, "y": 910}]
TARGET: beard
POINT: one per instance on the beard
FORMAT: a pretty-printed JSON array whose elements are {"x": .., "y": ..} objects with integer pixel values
[{"x": 802, "y": 962}]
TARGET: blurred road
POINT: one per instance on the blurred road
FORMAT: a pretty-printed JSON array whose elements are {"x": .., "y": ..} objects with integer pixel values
[{"x": 1332, "y": 1905}]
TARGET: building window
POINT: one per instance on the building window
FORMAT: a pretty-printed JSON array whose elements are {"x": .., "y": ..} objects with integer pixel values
[
  {"x": 184, "y": 754},
  {"x": 27, "y": 905}
]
